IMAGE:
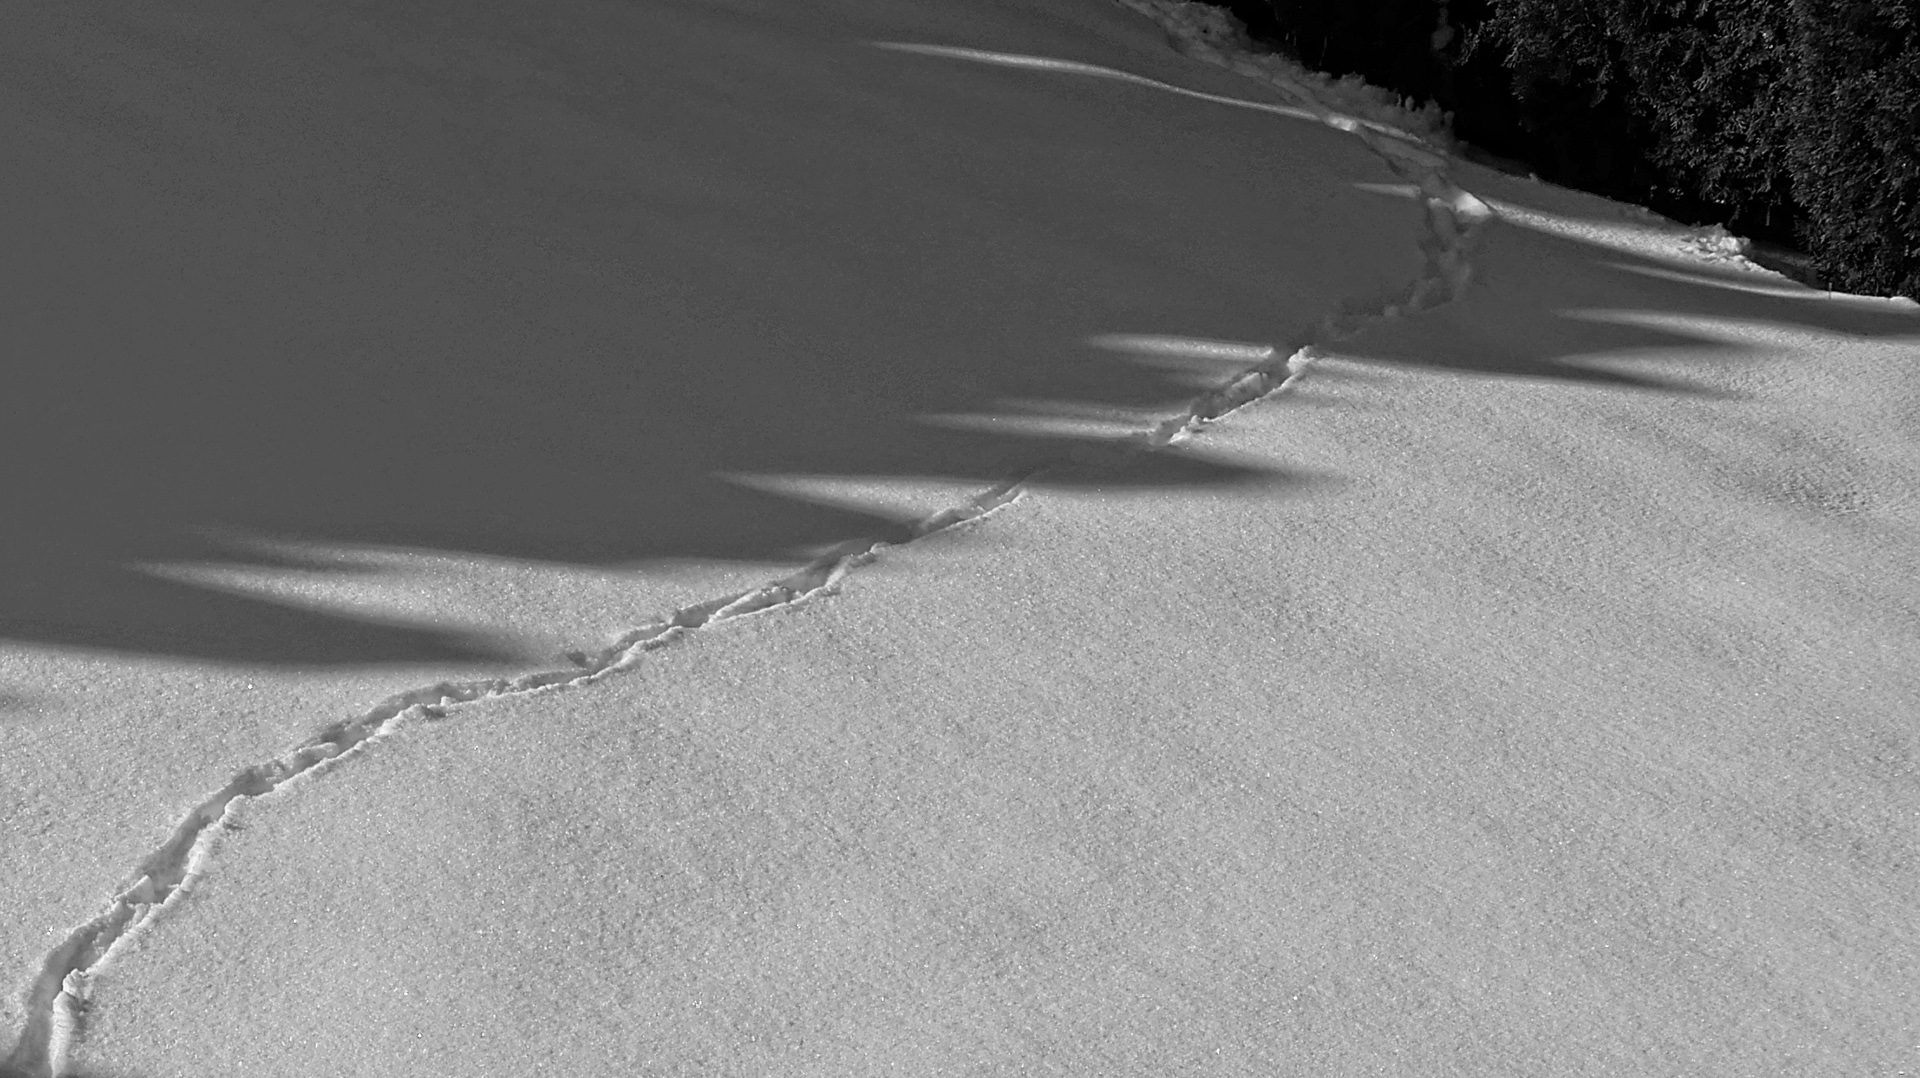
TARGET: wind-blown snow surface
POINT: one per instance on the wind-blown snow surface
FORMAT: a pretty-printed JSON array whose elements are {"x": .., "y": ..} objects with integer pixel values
[{"x": 1537, "y": 698}]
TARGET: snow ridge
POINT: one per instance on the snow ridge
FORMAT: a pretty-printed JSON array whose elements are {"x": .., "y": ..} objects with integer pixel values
[{"x": 56, "y": 998}]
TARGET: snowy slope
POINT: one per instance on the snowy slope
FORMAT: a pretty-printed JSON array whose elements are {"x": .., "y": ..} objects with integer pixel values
[
  {"x": 1438, "y": 765},
  {"x": 1516, "y": 726},
  {"x": 355, "y": 351},
  {"x": 1523, "y": 690}
]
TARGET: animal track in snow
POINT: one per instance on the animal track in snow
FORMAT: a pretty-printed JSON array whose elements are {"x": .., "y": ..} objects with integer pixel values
[
  {"x": 1453, "y": 219},
  {"x": 56, "y": 996}
]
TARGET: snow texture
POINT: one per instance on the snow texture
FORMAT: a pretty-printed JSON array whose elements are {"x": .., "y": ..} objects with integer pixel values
[
  {"x": 164, "y": 873},
  {"x": 1529, "y": 704}
]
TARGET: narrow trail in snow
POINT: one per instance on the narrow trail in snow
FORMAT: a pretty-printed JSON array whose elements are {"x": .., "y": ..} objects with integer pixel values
[
  {"x": 1454, "y": 215},
  {"x": 56, "y": 997}
]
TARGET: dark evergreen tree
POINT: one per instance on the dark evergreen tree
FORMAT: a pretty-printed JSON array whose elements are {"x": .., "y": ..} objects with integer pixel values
[
  {"x": 1782, "y": 118},
  {"x": 1856, "y": 141}
]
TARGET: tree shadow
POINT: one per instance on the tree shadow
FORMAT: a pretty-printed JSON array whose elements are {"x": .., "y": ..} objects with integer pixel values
[
  {"x": 1565, "y": 288},
  {"x": 493, "y": 290},
  {"x": 542, "y": 289}
]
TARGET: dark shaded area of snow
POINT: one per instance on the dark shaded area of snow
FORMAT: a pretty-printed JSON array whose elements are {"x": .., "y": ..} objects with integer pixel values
[{"x": 466, "y": 281}]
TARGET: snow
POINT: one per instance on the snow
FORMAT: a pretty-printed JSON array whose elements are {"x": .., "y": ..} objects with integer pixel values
[
  {"x": 1411, "y": 757},
  {"x": 1213, "y": 35},
  {"x": 916, "y": 538}
]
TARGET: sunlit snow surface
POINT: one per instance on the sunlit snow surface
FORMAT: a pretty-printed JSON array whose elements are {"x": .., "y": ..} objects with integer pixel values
[{"x": 1527, "y": 690}]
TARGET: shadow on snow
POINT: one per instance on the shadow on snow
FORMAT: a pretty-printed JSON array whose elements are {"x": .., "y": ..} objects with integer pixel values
[{"x": 450, "y": 294}]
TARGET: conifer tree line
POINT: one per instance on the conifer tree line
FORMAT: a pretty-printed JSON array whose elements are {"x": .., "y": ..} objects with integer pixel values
[{"x": 1794, "y": 121}]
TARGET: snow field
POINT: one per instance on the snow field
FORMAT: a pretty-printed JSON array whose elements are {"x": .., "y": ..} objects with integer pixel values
[{"x": 1514, "y": 697}]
